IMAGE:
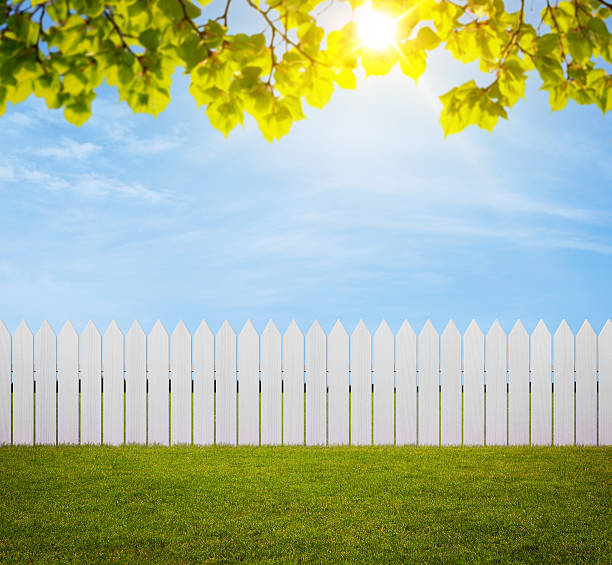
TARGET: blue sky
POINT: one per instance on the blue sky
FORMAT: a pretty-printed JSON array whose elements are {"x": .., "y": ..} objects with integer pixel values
[{"x": 364, "y": 211}]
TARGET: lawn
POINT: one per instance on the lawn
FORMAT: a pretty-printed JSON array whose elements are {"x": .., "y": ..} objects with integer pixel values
[{"x": 195, "y": 504}]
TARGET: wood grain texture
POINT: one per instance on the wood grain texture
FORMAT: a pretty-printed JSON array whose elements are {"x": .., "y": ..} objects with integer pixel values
[
  {"x": 406, "y": 385},
  {"x": 473, "y": 386},
  {"x": 316, "y": 384},
  {"x": 23, "y": 386},
  {"x": 158, "y": 365},
  {"x": 563, "y": 346},
  {"x": 225, "y": 409},
  {"x": 46, "y": 365},
  {"x": 450, "y": 389},
  {"x": 5, "y": 385},
  {"x": 293, "y": 383},
  {"x": 541, "y": 386},
  {"x": 518, "y": 385},
  {"x": 68, "y": 385},
  {"x": 180, "y": 399},
  {"x": 428, "y": 382},
  {"x": 113, "y": 384},
  {"x": 136, "y": 386},
  {"x": 383, "y": 354},
  {"x": 271, "y": 387},
  {"x": 605, "y": 385},
  {"x": 338, "y": 378},
  {"x": 203, "y": 386},
  {"x": 90, "y": 362},
  {"x": 361, "y": 386},
  {"x": 586, "y": 386},
  {"x": 496, "y": 380},
  {"x": 248, "y": 377}
]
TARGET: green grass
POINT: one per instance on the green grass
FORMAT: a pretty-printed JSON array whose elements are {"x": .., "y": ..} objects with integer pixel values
[{"x": 190, "y": 504}]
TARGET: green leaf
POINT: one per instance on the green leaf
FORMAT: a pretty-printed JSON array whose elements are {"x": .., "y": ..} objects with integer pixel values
[{"x": 150, "y": 39}]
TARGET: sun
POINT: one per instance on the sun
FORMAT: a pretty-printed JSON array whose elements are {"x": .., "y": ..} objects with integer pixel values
[{"x": 376, "y": 29}]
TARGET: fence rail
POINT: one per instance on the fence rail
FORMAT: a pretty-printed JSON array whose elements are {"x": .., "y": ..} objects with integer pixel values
[{"x": 293, "y": 389}]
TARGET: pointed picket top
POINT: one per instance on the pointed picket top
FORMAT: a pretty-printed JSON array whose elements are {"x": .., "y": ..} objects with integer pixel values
[
  {"x": 518, "y": 330},
  {"x": 91, "y": 330},
  {"x": 181, "y": 331},
  {"x": 315, "y": 330},
  {"x": 383, "y": 330},
  {"x": 496, "y": 331},
  {"x": 605, "y": 332},
  {"x": 134, "y": 331},
  {"x": 563, "y": 331},
  {"x": 113, "y": 330},
  {"x": 226, "y": 330},
  {"x": 4, "y": 330},
  {"x": 203, "y": 331},
  {"x": 248, "y": 330},
  {"x": 158, "y": 330},
  {"x": 23, "y": 330},
  {"x": 541, "y": 328},
  {"x": 406, "y": 330},
  {"x": 270, "y": 331},
  {"x": 585, "y": 331},
  {"x": 473, "y": 330},
  {"x": 45, "y": 330},
  {"x": 68, "y": 331},
  {"x": 450, "y": 329},
  {"x": 428, "y": 330},
  {"x": 293, "y": 331},
  {"x": 361, "y": 330},
  {"x": 338, "y": 330}
]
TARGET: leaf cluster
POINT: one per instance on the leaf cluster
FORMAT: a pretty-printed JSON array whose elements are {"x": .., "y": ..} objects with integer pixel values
[{"x": 62, "y": 50}]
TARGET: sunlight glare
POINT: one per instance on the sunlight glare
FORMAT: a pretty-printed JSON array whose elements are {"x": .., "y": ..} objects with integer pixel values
[{"x": 376, "y": 29}]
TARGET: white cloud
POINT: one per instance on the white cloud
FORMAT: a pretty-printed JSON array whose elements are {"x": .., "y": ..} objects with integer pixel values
[{"x": 69, "y": 149}]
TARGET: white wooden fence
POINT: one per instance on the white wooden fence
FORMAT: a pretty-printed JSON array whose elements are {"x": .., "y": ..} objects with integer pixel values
[{"x": 318, "y": 390}]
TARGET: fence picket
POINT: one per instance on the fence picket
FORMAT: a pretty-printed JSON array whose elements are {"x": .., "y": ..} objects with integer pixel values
[
  {"x": 23, "y": 386},
  {"x": 112, "y": 386},
  {"x": 225, "y": 409},
  {"x": 383, "y": 377},
  {"x": 248, "y": 379},
  {"x": 203, "y": 386},
  {"x": 68, "y": 385},
  {"x": 46, "y": 365},
  {"x": 361, "y": 386},
  {"x": 338, "y": 377},
  {"x": 158, "y": 364},
  {"x": 180, "y": 398},
  {"x": 541, "y": 386},
  {"x": 271, "y": 387},
  {"x": 518, "y": 385},
  {"x": 450, "y": 389},
  {"x": 563, "y": 432},
  {"x": 406, "y": 385},
  {"x": 293, "y": 383},
  {"x": 605, "y": 385},
  {"x": 316, "y": 384},
  {"x": 91, "y": 385},
  {"x": 496, "y": 398},
  {"x": 136, "y": 386},
  {"x": 473, "y": 386},
  {"x": 5, "y": 385},
  {"x": 586, "y": 386},
  {"x": 429, "y": 386}
]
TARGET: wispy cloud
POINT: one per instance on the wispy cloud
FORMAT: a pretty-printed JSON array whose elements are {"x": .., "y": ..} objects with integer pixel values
[
  {"x": 69, "y": 149},
  {"x": 88, "y": 185}
]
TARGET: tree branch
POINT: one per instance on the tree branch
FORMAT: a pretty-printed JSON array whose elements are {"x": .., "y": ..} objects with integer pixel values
[{"x": 264, "y": 14}]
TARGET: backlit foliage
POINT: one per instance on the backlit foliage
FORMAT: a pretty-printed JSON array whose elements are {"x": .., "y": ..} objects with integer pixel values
[{"x": 62, "y": 50}]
